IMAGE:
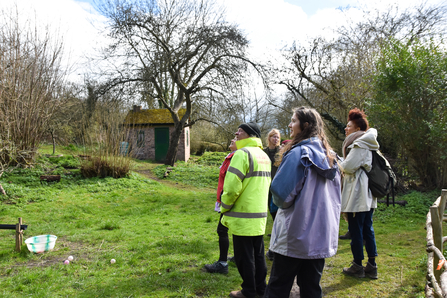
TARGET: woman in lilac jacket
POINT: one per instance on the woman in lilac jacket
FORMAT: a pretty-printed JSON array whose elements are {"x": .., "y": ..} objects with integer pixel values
[{"x": 306, "y": 188}]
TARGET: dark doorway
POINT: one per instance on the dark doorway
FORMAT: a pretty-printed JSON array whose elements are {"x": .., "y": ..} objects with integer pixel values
[{"x": 161, "y": 143}]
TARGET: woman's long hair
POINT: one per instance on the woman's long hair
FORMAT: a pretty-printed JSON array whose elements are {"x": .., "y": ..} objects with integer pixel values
[{"x": 311, "y": 125}]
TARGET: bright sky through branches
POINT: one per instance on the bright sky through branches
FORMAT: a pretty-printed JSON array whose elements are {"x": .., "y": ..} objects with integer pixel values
[{"x": 269, "y": 24}]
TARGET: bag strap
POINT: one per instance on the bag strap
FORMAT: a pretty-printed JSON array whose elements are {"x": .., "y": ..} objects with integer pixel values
[
  {"x": 392, "y": 189},
  {"x": 392, "y": 194},
  {"x": 372, "y": 161}
]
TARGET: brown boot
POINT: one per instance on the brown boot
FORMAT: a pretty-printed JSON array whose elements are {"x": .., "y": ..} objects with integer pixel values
[
  {"x": 355, "y": 270},
  {"x": 371, "y": 271}
]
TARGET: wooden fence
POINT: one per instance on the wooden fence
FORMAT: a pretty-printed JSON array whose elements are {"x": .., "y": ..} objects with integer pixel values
[{"x": 436, "y": 285}]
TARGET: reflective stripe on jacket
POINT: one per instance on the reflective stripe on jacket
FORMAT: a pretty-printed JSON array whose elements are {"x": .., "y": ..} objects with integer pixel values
[{"x": 246, "y": 188}]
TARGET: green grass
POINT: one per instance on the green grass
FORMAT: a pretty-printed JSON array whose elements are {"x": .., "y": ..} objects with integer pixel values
[
  {"x": 212, "y": 158},
  {"x": 191, "y": 174},
  {"x": 71, "y": 149},
  {"x": 161, "y": 237}
]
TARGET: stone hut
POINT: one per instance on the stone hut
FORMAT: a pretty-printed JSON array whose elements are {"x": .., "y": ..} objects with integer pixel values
[{"x": 148, "y": 134}]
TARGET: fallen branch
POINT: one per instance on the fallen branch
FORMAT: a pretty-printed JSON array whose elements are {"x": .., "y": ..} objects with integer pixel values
[
  {"x": 2, "y": 191},
  {"x": 50, "y": 178}
]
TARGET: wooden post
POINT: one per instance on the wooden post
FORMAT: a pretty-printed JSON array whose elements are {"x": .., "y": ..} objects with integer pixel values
[
  {"x": 436, "y": 222},
  {"x": 442, "y": 203},
  {"x": 19, "y": 235},
  {"x": 443, "y": 199}
]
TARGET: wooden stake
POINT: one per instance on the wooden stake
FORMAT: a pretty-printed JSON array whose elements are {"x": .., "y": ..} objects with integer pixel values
[
  {"x": 19, "y": 235},
  {"x": 436, "y": 222}
]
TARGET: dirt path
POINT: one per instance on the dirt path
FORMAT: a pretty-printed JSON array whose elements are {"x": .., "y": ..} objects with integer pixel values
[
  {"x": 146, "y": 171},
  {"x": 150, "y": 175}
]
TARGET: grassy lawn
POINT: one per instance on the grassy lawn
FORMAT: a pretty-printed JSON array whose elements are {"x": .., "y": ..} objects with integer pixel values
[{"x": 161, "y": 235}]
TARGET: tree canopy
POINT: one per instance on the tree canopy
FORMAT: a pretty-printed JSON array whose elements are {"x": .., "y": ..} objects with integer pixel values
[
  {"x": 410, "y": 104},
  {"x": 174, "y": 51}
]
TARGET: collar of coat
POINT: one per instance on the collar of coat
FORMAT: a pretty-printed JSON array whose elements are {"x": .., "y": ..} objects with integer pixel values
[
  {"x": 349, "y": 140},
  {"x": 313, "y": 154},
  {"x": 249, "y": 142},
  {"x": 367, "y": 141}
]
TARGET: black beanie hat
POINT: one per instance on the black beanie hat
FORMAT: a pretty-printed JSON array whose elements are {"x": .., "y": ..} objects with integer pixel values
[{"x": 251, "y": 128}]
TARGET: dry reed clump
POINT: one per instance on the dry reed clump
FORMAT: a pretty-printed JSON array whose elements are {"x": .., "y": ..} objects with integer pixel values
[{"x": 102, "y": 166}]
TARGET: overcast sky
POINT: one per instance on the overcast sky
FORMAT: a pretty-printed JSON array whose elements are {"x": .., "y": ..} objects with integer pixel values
[{"x": 269, "y": 24}]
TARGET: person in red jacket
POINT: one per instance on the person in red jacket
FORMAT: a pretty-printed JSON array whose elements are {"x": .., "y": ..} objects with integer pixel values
[{"x": 221, "y": 266}]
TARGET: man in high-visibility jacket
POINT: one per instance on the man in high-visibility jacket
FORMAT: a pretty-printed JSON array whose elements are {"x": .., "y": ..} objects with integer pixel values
[{"x": 244, "y": 208}]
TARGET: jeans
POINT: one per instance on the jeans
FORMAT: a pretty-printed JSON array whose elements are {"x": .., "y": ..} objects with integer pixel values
[
  {"x": 308, "y": 274},
  {"x": 250, "y": 261},
  {"x": 361, "y": 228}
]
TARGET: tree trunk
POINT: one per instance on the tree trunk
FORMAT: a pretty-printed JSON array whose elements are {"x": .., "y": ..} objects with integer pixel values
[
  {"x": 179, "y": 124},
  {"x": 174, "y": 143},
  {"x": 54, "y": 142}
]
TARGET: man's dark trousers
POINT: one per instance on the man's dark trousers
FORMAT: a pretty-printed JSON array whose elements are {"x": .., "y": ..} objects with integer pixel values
[{"x": 250, "y": 261}]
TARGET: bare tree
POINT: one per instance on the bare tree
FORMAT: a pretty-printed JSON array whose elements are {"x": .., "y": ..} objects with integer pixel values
[
  {"x": 174, "y": 51},
  {"x": 226, "y": 111},
  {"x": 31, "y": 80},
  {"x": 336, "y": 75}
]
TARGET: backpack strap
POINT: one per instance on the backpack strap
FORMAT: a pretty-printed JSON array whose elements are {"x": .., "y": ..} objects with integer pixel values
[{"x": 392, "y": 189}]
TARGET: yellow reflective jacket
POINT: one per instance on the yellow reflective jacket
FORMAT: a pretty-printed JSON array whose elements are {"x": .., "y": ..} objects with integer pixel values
[{"x": 246, "y": 188}]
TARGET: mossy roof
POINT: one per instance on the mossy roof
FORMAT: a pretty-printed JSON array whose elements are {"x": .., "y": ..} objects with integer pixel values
[{"x": 152, "y": 116}]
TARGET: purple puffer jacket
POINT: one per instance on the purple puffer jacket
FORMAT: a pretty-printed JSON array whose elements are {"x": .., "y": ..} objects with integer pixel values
[{"x": 307, "y": 190}]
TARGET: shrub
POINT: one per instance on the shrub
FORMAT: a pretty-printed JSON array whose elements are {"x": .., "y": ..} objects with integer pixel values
[
  {"x": 68, "y": 162},
  {"x": 206, "y": 146},
  {"x": 418, "y": 205},
  {"x": 71, "y": 147},
  {"x": 212, "y": 158},
  {"x": 410, "y": 103},
  {"x": 106, "y": 166},
  {"x": 32, "y": 86}
]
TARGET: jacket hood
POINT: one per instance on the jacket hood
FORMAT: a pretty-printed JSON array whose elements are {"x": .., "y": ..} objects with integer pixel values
[
  {"x": 313, "y": 154},
  {"x": 367, "y": 141},
  {"x": 249, "y": 142}
]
